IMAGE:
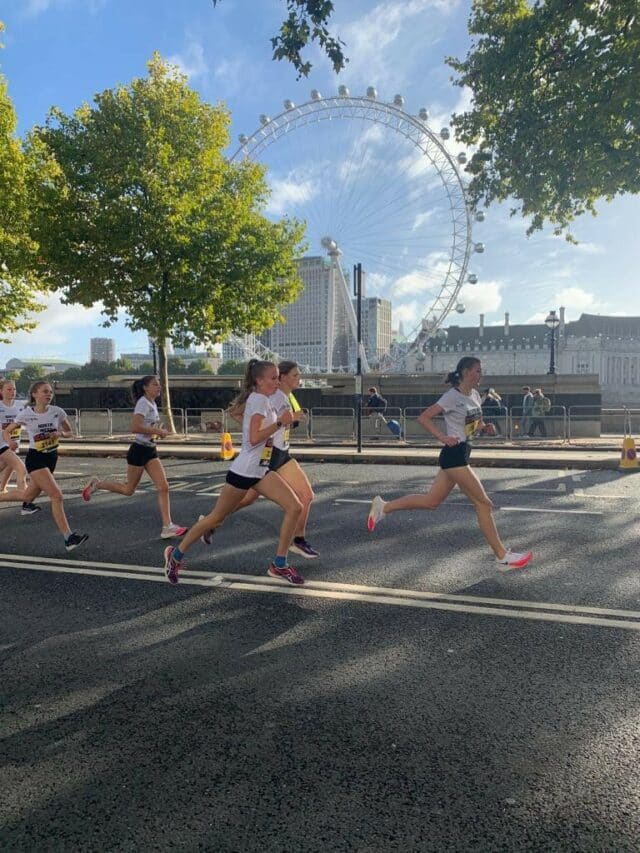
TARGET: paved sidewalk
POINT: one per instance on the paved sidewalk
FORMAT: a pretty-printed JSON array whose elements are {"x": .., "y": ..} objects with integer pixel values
[{"x": 604, "y": 455}]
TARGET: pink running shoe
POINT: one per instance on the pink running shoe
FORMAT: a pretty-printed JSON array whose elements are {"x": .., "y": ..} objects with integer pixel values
[
  {"x": 171, "y": 565},
  {"x": 288, "y": 573},
  {"x": 514, "y": 560},
  {"x": 89, "y": 489}
]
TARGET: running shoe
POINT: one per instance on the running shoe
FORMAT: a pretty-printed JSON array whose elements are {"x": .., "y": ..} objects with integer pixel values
[
  {"x": 302, "y": 547},
  {"x": 89, "y": 489},
  {"x": 207, "y": 536},
  {"x": 376, "y": 513},
  {"x": 288, "y": 573},
  {"x": 514, "y": 560},
  {"x": 75, "y": 540},
  {"x": 29, "y": 509},
  {"x": 171, "y": 565},
  {"x": 169, "y": 531}
]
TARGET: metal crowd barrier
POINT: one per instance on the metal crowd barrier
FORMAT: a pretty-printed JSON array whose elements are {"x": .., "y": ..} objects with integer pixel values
[
  {"x": 551, "y": 425},
  {"x": 336, "y": 424}
]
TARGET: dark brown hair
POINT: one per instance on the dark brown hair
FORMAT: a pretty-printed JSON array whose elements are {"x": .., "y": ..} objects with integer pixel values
[{"x": 454, "y": 378}]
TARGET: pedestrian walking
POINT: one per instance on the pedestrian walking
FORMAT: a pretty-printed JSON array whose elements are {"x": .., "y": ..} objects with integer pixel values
[
  {"x": 143, "y": 455},
  {"x": 491, "y": 408},
  {"x": 45, "y": 425},
  {"x": 375, "y": 407},
  {"x": 251, "y": 469},
  {"x": 540, "y": 409},
  {"x": 527, "y": 410},
  {"x": 284, "y": 400},
  {"x": 462, "y": 411}
]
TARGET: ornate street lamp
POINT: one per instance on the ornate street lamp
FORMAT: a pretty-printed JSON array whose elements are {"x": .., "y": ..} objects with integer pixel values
[{"x": 552, "y": 322}]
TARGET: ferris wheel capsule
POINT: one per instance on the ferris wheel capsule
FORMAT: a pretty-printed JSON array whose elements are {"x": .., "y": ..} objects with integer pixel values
[
  {"x": 372, "y": 93},
  {"x": 460, "y": 309},
  {"x": 479, "y": 248},
  {"x": 264, "y": 119},
  {"x": 462, "y": 158},
  {"x": 479, "y": 216},
  {"x": 243, "y": 139},
  {"x": 423, "y": 115},
  {"x": 315, "y": 95},
  {"x": 472, "y": 278},
  {"x": 445, "y": 133},
  {"x": 398, "y": 101},
  {"x": 343, "y": 92},
  {"x": 289, "y": 105}
]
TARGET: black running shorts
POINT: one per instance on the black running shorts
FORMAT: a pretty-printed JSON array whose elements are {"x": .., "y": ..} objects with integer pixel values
[
  {"x": 139, "y": 454},
  {"x": 279, "y": 458},
  {"x": 240, "y": 482},
  {"x": 36, "y": 460},
  {"x": 456, "y": 456}
]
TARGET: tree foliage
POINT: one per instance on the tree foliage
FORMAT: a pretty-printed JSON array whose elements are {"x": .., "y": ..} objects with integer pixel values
[
  {"x": 147, "y": 216},
  {"x": 555, "y": 111},
  {"x": 232, "y": 368},
  {"x": 18, "y": 286},
  {"x": 305, "y": 23}
]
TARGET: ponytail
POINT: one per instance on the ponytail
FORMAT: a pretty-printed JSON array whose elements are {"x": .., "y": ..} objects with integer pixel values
[
  {"x": 454, "y": 377},
  {"x": 255, "y": 369},
  {"x": 137, "y": 389}
]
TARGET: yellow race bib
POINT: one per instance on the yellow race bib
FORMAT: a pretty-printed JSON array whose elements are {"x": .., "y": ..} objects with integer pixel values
[{"x": 265, "y": 457}]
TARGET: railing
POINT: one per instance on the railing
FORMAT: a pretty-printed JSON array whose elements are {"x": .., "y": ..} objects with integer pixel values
[
  {"x": 336, "y": 424},
  {"x": 339, "y": 424},
  {"x": 553, "y": 424}
]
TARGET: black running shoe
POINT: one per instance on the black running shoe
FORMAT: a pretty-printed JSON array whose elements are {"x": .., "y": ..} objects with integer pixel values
[
  {"x": 75, "y": 540},
  {"x": 29, "y": 509}
]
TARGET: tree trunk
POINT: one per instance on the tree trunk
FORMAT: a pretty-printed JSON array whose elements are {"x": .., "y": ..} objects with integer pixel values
[{"x": 166, "y": 391}]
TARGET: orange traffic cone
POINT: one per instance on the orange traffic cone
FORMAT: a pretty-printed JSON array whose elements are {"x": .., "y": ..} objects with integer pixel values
[
  {"x": 226, "y": 448},
  {"x": 629, "y": 457}
]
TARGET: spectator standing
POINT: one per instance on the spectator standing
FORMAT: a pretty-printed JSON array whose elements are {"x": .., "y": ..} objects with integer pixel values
[
  {"x": 527, "y": 411},
  {"x": 540, "y": 409}
]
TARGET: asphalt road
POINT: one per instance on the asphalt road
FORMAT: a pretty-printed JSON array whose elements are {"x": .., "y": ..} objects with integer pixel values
[{"x": 409, "y": 697}]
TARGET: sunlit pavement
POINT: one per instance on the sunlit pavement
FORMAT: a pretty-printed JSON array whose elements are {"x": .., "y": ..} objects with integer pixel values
[{"x": 409, "y": 697}]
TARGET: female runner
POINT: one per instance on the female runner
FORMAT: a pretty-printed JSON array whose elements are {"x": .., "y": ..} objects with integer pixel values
[
  {"x": 142, "y": 454},
  {"x": 9, "y": 460},
  {"x": 286, "y": 466},
  {"x": 462, "y": 412},
  {"x": 250, "y": 469},
  {"x": 45, "y": 424}
]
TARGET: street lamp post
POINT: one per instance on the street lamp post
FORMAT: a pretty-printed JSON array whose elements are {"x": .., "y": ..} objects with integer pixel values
[{"x": 552, "y": 322}]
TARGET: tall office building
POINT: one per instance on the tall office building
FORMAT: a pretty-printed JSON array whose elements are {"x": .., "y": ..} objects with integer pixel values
[
  {"x": 376, "y": 328},
  {"x": 316, "y": 332},
  {"x": 102, "y": 349}
]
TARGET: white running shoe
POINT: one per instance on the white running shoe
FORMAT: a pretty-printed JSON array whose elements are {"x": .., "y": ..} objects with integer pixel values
[
  {"x": 90, "y": 488},
  {"x": 514, "y": 560},
  {"x": 171, "y": 530},
  {"x": 375, "y": 513}
]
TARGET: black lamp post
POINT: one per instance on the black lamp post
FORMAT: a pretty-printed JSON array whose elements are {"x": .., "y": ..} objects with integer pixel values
[{"x": 552, "y": 322}]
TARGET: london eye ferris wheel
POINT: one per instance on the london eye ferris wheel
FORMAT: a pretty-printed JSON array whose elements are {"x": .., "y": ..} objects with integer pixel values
[{"x": 377, "y": 186}]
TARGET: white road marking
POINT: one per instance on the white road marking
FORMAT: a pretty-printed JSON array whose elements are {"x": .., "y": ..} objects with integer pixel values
[
  {"x": 501, "y": 508},
  {"x": 418, "y": 599}
]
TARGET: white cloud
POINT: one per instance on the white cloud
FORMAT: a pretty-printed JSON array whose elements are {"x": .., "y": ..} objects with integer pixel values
[
  {"x": 590, "y": 248},
  {"x": 60, "y": 328},
  {"x": 369, "y": 38},
  {"x": 408, "y": 313},
  {"x": 191, "y": 61},
  {"x": 423, "y": 279},
  {"x": 575, "y": 300},
  {"x": 287, "y": 193},
  {"x": 376, "y": 283},
  {"x": 482, "y": 298}
]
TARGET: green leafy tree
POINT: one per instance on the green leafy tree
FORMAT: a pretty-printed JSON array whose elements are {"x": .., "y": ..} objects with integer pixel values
[
  {"x": 148, "y": 217},
  {"x": 145, "y": 369},
  {"x": 18, "y": 285},
  {"x": 555, "y": 111},
  {"x": 30, "y": 373},
  {"x": 199, "y": 367},
  {"x": 232, "y": 368},
  {"x": 177, "y": 366},
  {"x": 306, "y": 23}
]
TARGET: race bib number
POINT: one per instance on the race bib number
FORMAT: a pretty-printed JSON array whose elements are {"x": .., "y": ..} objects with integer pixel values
[
  {"x": 45, "y": 443},
  {"x": 15, "y": 435},
  {"x": 285, "y": 435},
  {"x": 265, "y": 457}
]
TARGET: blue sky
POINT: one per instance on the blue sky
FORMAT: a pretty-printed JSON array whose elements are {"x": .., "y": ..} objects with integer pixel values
[{"x": 338, "y": 175}]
